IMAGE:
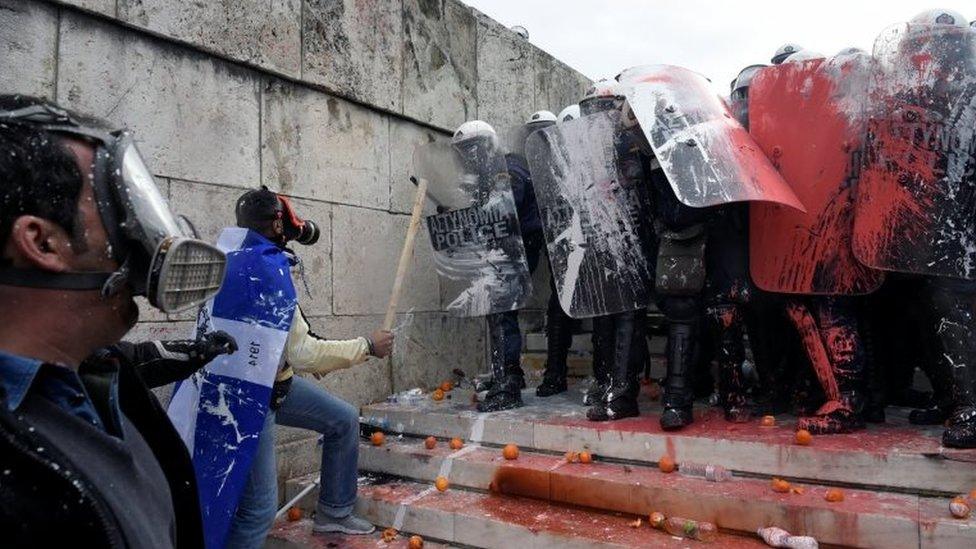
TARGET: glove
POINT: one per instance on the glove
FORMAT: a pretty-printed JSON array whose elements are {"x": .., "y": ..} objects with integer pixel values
[{"x": 213, "y": 344}]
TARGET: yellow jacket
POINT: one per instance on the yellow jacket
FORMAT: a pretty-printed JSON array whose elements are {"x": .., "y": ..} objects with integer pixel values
[{"x": 306, "y": 352}]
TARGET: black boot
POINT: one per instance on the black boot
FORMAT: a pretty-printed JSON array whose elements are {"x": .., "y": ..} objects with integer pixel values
[
  {"x": 620, "y": 399},
  {"x": 559, "y": 337},
  {"x": 603, "y": 328},
  {"x": 505, "y": 396},
  {"x": 836, "y": 417},
  {"x": 727, "y": 330},
  {"x": 874, "y": 405},
  {"x": 678, "y": 397},
  {"x": 952, "y": 302}
]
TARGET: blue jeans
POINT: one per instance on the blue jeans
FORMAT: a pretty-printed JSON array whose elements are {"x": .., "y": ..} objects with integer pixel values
[{"x": 307, "y": 406}]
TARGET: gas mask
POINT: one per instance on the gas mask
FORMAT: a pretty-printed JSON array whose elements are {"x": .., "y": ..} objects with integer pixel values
[
  {"x": 300, "y": 230},
  {"x": 159, "y": 255}
]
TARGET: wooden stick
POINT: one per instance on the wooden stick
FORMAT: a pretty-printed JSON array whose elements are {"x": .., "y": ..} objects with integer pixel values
[{"x": 406, "y": 253}]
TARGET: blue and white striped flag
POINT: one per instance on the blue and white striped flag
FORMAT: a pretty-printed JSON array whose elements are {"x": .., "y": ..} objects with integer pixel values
[{"x": 220, "y": 411}]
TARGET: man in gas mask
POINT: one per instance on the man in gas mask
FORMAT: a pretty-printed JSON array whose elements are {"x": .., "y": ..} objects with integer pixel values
[
  {"x": 87, "y": 452},
  {"x": 266, "y": 217}
]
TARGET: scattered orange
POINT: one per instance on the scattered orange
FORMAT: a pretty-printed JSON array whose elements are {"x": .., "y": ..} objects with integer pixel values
[
  {"x": 430, "y": 442},
  {"x": 416, "y": 542},
  {"x": 959, "y": 507},
  {"x": 441, "y": 484},
  {"x": 834, "y": 495},
  {"x": 572, "y": 457},
  {"x": 666, "y": 464},
  {"x": 389, "y": 535},
  {"x": 768, "y": 421},
  {"x": 446, "y": 386},
  {"x": 510, "y": 451},
  {"x": 585, "y": 457},
  {"x": 294, "y": 514},
  {"x": 780, "y": 485},
  {"x": 456, "y": 443},
  {"x": 803, "y": 437},
  {"x": 378, "y": 438},
  {"x": 972, "y": 494},
  {"x": 437, "y": 394},
  {"x": 656, "y": 520}
]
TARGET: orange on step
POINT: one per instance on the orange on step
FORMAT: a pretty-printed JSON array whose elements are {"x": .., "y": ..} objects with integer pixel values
[
  {"x": 803, "y": 437},
  {"x": 834, "y": 495},
  {"x": 377, "y": 438},
  {"x": 767, "y": 421},
  {"x": 656, "y": 520},
  {"x": 294, "y": 514},
  {"x": 430, "y": 442},
  {"x": 446, "y": 386},
  {"x": 780, "y": 485},
  {"x": 437, "y": 395},
  {"x": 666, "y": 464},
  {"x": 389, "y": 535},
  {"x": 456, "y": 443},
  {"x": 572, "y": 457},
  {"x": 585, "y": 457},
  {"x": 510, "y": 451},
  {"x": 959, "y": 507},
  {"x": 441, "y": 484},
  {"x": 416, "y": 542}
]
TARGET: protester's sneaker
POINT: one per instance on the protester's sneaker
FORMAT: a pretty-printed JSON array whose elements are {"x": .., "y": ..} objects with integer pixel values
[{"x": 350, "y": 524}]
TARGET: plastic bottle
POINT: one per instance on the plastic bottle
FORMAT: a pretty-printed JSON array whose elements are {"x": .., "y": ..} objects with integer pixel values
[
  {"x": 714, "y": 473},
  {"x": 692, "y": 529},
  {"x": 777, "y": 537}
]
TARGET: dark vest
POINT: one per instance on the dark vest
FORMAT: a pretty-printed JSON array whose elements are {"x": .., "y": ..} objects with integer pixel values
[{"x": 126, "y": 472}]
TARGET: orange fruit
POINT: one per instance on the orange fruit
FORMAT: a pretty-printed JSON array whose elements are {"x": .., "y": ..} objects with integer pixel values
[
  {"x": 768, "y": 421},
  {"x": 656, "y": 520},
  {"x": 780, "y": 485},
  {"x": 294, "y": 514},
  {"x": 430, "y": 442},
  {"x": 585, "y": 457},
  {"x": 959, "y": 507},
  {"x": 666, "y": 464},
  {"x": 803, "y": 437},
  {"x": 572, "y": 457},
  {"x": 834, "y": 495},
  {"x": 510, "y": 451},
  {"x": 972, "y": 494},
  {"x": 437, "y": 394},
  {"x": 456, "y": 443},
  {"x": 441, "y": 484},
  {"x": 389, "y": 535},
  {"x": 378, "y": 438},
  {"x": 446, "y": 386},
  {"x": 416, "y": 542}
]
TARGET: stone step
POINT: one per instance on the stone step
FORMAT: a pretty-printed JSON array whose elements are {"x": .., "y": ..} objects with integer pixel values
[
  {"x": 894, "y": 457},
  {"x": 863, "y": 519},
  {"x": 476, "y": 519}
]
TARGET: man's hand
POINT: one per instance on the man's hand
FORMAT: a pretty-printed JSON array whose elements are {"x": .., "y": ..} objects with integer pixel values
[
  {"x": 213, "y": 344},
  {"x": 382, "y": 341}
]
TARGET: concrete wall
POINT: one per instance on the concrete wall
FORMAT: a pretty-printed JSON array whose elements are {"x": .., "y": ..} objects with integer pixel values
[{"x": 322, "y": 100}]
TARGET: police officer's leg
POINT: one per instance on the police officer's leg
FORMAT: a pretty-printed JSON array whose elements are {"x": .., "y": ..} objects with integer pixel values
[
  {"x": 559, "y": 337},
  {"x": 682, "y": 313},
  {"x": 954, "y": 302},
  {"x": 620, "y": 400},
  {"x": 726, "y": 324},
  {"x": 505, "y": 392},
  {"x": 603, "y": 332}
]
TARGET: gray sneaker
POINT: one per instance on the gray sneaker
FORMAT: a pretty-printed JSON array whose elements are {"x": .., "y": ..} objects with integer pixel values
[{"x": 350, "y": 524}]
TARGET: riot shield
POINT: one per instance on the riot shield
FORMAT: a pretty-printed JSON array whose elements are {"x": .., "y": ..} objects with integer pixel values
[
  {"x": 478, "y": 250},
  {"x": 591, "y": 200},
  {"x": 809, "y": 118},
  {"x": 707, "y": 156},
  {"x": 916, "y": 203}
]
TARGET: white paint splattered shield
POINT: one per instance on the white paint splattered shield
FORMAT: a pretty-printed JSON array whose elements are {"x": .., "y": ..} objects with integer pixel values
[
  {"x": 916, "y": 200},
  {"x": 477, "y": 242},
  {"x": 592, "y": 200},
  {"x": 707, "y": 156}
]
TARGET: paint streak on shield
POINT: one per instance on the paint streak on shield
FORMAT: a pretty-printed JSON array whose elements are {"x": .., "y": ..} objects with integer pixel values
[
  {"x": 916, "y": 205},
  {"x": 808, "y": 117}
]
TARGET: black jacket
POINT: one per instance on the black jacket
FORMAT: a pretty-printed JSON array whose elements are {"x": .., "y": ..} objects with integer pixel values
[{"x": 52, "y": 504}]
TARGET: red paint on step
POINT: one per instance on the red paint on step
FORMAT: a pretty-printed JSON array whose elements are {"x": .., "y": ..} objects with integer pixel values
[{"x": 520, "y": 481}]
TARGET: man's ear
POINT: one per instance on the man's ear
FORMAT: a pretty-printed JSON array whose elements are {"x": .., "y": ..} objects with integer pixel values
[{"x": 38, "y": 243}]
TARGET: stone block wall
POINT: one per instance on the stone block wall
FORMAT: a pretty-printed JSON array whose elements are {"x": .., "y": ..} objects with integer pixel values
[{"x": 322, "y": 100}]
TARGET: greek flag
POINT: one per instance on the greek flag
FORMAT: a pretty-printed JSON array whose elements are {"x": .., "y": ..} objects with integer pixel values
[{"x": 220, "y": 411}]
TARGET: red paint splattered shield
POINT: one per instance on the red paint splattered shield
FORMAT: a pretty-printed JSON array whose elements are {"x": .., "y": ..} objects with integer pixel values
[
  {"x": 708, "y": 157},
  {"x": 809, "y": 119},
  {"x": 916, "y": 204}
]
